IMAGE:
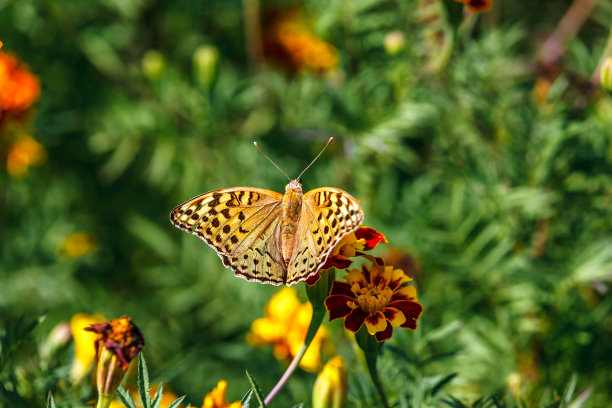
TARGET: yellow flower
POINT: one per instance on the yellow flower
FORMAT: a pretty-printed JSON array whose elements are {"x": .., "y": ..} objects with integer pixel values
[
  {"x": 217, "y": 399},
  {"x": 24, "y": 153},
  {"x": 331, "y": 385},
  {"x": 285, "y": 325},
  {"x": 84, "y": 351},
  {"x": 79, "y": 244}
]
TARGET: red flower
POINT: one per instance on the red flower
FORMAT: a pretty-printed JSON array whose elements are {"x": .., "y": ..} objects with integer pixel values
[
  {"x": 377, "y": 296},
  {"x": 478, "y": 6}
]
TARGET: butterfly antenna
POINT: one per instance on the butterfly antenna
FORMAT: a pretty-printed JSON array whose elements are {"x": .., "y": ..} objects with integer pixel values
[
  {"x": 315, "y": 159},
  {"x": 266, "y": 156}
]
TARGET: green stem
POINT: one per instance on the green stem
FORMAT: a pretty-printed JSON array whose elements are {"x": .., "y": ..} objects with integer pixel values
[
  {"x": 315, "y": 323},
  {"x": 371, "y": 363}
]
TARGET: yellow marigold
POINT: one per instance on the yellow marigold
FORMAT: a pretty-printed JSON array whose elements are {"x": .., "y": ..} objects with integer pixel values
[
  {"x": 79, "y": 244},
  {"x": 19, "y": 88},
  {"x": 24, "y": 153},
  {"x": 217, "y": 399},
  {"x": 289, "y": 41},
  {"x": 84, "y": 350},
  {"x": 285, "y": 326}
]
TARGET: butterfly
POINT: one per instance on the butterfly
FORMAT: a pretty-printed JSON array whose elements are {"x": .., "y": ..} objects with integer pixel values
[{"x": 268, "y": 237}]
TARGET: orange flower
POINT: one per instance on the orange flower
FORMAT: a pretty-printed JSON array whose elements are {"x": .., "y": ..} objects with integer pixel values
[
  {"x": 289, "y": 41},
  {"x": 24, "y": 153},
  {"x": 168, "y": 397},
  {"x": 378, "y": 296},
  {"x": 18, "y": 87},
  {"x": 285, "y": 326},
  {"x": 217, "y": 399}
]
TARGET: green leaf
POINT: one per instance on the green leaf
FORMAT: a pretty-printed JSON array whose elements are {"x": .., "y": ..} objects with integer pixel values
[
  {"x": 13, "y": 335},
  {"x": 125, "y": 397},
  {"x": 142, "y": 379},
  {"x": 50, "y": 400},
  {"x": 246, "y": 400},
  {"x": 157, "y": 397},
  {"x": 176, "y": 402},
  {"x": 256, "y": 390}
]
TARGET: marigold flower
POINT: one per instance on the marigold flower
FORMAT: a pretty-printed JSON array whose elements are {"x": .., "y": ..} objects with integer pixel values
[
  {"x": 331, "y": 386},
  {"x": 24, "y": 153},
  {"x": 285, "y": 326},
  {"x": 378, "y": 296},
  {"x": 121, "y": 337},
  {"x": 289, "y": 41},
  {"x": 19, "y": 88},
  {"x": 120, "y": 342},
  {"x": 217, "y": 399},
  {"x": 84, "y": 352},
  {"x": 78, "y": 244}
]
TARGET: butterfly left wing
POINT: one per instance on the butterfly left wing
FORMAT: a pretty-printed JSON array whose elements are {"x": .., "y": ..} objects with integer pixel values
[
  {"x": 327, "y": 215},
  {"x": 242, "y": 225}
]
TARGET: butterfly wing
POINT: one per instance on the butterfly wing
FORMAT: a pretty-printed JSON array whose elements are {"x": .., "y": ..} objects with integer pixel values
[
  {"x": 243, "y": 225},
  {"x": 327, "y": 215}
]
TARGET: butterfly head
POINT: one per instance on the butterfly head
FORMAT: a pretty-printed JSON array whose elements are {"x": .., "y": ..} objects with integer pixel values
[{"x": 294, "y": 185}]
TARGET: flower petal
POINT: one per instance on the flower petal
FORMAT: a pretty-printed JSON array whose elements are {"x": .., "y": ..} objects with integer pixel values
[
  {"x": 354, "y": 320},
  {"x": 385, "y": 334},
  {"x": 314, "y": 278},
  {"x": 394, "y": 316},
  {"x": 356, "y": 276},
  {"x": 371, "y": 236},
  {"x": 407, "y": 292},
  {"x": 337, "y": 261},
  {"x": 412, "y": 310},
  {"x": 376, "y": 322},
  {"x": 338, "y": 306},
  {"x": 341, "y": 288}
]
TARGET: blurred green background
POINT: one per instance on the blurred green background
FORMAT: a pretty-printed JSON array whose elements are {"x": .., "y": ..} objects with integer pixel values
[{"x": 484, "y": 160}]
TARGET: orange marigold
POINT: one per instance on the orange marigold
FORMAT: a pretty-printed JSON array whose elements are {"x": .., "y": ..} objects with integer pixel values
[
  {"x": 289, "y": 41},
  {"x": 25, "y": 152},
  {"x": 19, "y": 88},
  {"x": 217, "y": 399}
]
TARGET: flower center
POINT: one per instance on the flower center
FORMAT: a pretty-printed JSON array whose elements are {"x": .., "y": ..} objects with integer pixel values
[{"x": 373, "y": 298}]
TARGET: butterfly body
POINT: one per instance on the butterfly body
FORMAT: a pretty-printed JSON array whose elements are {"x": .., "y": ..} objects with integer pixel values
[
  {"x": 269, "y": 237},
  {"x": 292, "y": 202}
]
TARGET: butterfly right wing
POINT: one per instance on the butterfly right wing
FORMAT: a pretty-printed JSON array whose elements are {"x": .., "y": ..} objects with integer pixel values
[{"x": 242, "y": 224}]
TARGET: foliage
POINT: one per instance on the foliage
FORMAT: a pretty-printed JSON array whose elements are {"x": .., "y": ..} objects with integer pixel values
[{"x": 487, "y": 170}]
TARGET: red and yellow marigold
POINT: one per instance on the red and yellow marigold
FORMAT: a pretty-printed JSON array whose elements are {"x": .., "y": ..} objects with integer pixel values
[{"x": 376, "y": 295}]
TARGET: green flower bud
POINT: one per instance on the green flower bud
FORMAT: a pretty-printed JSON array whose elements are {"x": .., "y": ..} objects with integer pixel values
[
  {"x": 394, "y": 42},
  {"x": 331, "y": 385},
  {"x": 606, "y": 74},
  {"x": 153, "y": 64},
  {"x": 205, "y": 61}
]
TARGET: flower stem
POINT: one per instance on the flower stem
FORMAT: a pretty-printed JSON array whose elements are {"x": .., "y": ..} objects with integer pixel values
[
  {"x": 371, "y": 363},
  {"x": 371, "y": 348},
  {"x": 315, "y": 323}
]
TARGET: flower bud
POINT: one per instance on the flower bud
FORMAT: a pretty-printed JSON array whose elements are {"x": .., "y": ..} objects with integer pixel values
[
  {"x": 394, "y": 42},
  {"x": 331, "y": 385},
  {"x": 153, "y": 64},
  {"x": 606, "y": 74},
  {"x": 205, "y": 61}
]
